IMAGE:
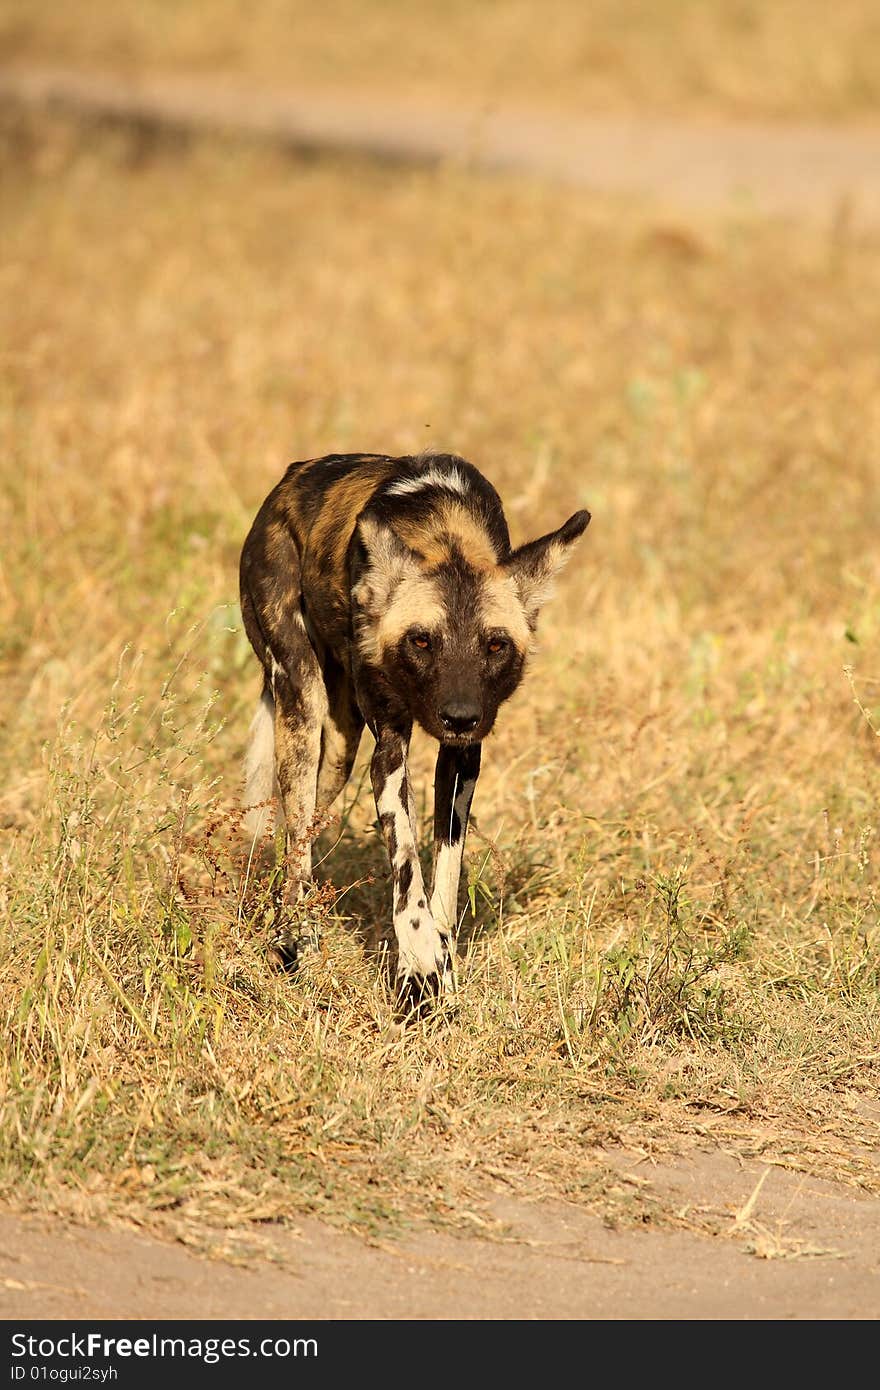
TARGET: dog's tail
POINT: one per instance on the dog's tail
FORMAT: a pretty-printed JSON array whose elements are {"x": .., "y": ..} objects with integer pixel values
[{"x": 259, "y": 768}]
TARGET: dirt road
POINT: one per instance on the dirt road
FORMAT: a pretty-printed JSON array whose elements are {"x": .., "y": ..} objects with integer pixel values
[
  {"x": 801, "y": 1248},
  {"x": 804, "y": 170}
]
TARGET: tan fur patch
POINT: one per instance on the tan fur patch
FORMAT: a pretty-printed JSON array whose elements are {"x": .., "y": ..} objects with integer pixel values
[
  {"x": 415, "y": 602},
  {"x": 398, "y": 591},
  {"x": 395, "y": 593},
  {"x": 453, "y": 526},
  {"x": 277, "y": 540},
  {"x": 344, "y": 501},
  {"x": 500, "y": 607}
]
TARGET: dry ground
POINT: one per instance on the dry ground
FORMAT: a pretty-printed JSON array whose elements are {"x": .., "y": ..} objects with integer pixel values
[
  {"x": 671, "y": 942},
  {"x": 795, "y": 1248}
]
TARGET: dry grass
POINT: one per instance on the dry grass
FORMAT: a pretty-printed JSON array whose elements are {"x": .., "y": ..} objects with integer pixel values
[
  {"x": 738, "y": 57},
  {"x": 674, "y": 937}
]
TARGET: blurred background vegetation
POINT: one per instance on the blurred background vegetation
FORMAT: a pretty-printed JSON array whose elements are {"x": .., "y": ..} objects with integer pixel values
[{"x": 796, "y": 58}]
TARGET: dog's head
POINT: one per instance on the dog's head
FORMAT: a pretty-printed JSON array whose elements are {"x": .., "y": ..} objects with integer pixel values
[{"x": 446, "y": 629}]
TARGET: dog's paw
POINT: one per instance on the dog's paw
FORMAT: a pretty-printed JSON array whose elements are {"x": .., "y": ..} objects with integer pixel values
[
  {"x": 283, "y": 952},
  {"x": 424, "y": 959},
  {"x": 293, "y": 944}
]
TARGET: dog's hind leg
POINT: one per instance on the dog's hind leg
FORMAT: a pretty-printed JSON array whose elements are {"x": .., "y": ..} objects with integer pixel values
[
  {"x": 454, "y": 783},
  {"x": 300, "y": 709},
  {"x": 300, "y": 705},
  {"x": 294, "y": 695},
  {"x": 259, "y": 768},
  {"x": 340, "y": 736}
]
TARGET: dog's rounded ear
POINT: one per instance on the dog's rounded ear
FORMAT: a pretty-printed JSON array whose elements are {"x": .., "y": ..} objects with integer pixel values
[
  {"x": 534, "y": 566},
  {"x": 381, "y": 562}
]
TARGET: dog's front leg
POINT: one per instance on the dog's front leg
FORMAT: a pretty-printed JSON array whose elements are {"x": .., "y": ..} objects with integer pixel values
[
  {"x": 454, "y": 782},
  {"x": 423, "y": 957}
]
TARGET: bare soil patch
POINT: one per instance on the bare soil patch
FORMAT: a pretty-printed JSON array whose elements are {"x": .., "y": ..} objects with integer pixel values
[
  {"x": 753, "y": 167},
  {"x": 788, "y": 1246}
]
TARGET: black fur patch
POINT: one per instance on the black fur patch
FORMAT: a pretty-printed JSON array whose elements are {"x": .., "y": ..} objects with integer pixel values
[
  {"x": 404, "y": 880},
  {"x": 455, "y": 768}
]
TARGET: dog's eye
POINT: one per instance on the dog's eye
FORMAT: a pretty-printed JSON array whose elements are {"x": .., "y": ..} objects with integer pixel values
[
  {"x": 496, "y": 645},
  {"x": 420, "y": 640}
]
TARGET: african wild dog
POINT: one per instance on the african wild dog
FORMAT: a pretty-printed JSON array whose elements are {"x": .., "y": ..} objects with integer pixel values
[{"x": 384, "y": 591}]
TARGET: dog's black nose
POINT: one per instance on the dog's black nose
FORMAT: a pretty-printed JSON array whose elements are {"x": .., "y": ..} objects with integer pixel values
[{"x": 460, "y": 716}]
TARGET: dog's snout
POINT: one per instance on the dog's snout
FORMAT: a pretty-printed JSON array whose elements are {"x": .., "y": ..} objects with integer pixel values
[{"x": 460, "y": 716}]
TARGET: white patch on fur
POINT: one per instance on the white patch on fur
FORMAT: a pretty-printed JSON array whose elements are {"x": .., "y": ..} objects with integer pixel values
[
  {"x": 434, "y": 476},
  {"x": 259, "y": 768},
  {"x": 391, "y": 796},
  {"x": 421, "y": 949},
  {"x": 444, "y": 899},
  {"x": 447, "y": 871}
]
